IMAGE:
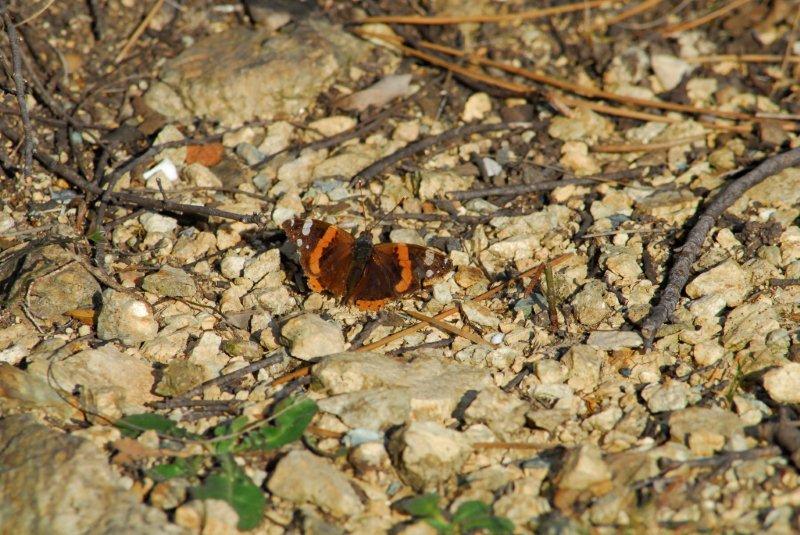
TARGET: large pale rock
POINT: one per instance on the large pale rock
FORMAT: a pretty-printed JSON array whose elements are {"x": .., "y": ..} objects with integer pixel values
[
  {"x": 102, "y": 373},
  {"x": 727, "y": 280},
  {"x": 61, "y": 291},
  {"x": 783, "y": 383},
  {"x": 499, "y": 411},
  {"x": 20, "y": 390},
  {"x": 583, "y": 467},
  {"x": 125, "y": 318},
  {"x": 302, "y": 477},
  {"x": 57, "y": 484},
  {"x": 256, "y": 74},
  {"x": 590, "y": 304},
  {"x": 584, "y": 364},
  {"x": 170, "y": 282},
  {"x": 309, "y": 336},
  {"x": 374, "y": 391},
  {"x": 427, "y": 453},
  {"x": 687, "y": 421},
  {"x": 749, "y": 323}
]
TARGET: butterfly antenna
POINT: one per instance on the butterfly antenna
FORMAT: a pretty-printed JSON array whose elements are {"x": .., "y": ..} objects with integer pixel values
[{"x": 390, "y": 212}]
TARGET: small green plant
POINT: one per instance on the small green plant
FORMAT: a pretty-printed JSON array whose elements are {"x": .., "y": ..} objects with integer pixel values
[
  {"x": 551, "y": 295},
  {"x": 735, "y": 386},
  {"x": 470, "y": 516},
  {"x": 226, "y": 480}
]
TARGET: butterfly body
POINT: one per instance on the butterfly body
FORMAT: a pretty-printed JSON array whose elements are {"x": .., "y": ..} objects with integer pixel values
[{"x": 356, "y": 270}]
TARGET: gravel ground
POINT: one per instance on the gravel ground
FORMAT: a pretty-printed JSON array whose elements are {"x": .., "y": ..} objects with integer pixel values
[{"x": 144, "y": 269}]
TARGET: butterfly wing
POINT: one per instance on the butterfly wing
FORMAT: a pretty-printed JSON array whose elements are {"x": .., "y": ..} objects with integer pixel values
[
  {"x": 326, "y": 253},
  {"x": 395, "y": 269}
]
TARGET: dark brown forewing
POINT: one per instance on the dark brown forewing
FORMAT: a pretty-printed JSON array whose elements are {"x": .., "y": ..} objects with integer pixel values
[
  {"x": 428, "y": 264},
  {"x": 396, "y": 269},
  {"x": 326, "y": 253}
]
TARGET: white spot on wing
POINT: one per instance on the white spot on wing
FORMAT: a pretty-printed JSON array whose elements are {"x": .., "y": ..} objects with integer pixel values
[
  {"x": 306, "y": 230},
  {"x": 299, "y": 242},
  {"x": 429, "y": 257},
  {"x": 428, "y": 274}
]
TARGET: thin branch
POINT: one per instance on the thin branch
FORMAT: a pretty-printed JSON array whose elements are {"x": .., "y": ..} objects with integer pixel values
[
  {"x": 269, "y": 360},
  {"x": 448, "y": 328},
  {"x": 37, "y": 13},
  {"x": 19, "y": 84},
  {"x": 366, "y": 175},
  {"x": 450, "y": 311},
  {"x": 365, "y": 127},
  {"x": 532, "y": 14},
  {"x": 138, "y": 31},
  {"x": 691, "y": 24},
  {"x": 585, "y": 91},
  {"x": 633, "y": 11},
  {"x": 688, "y": 253},
  {"x": 125, "y": 198},
  {"x": 547, "y": 185},
  {"x": 649, "y": 147},
  {"x": 742, "y": 58}
]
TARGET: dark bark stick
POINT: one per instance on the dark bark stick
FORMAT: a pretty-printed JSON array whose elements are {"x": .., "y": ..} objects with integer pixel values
[
  {"x": 125, "y": 198},
  {"x": 521, "y": 189},
  {"x": 269, "y": 360},
  {"x": 688, "y": 253},
  {"x": 366, "y": 175},
  {"x": 366, "y": 127},
  {"x": 19, "y": 84}
]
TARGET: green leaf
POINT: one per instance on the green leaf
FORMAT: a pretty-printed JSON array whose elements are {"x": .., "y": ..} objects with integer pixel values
[
  {"x": 292, "y": 416},
  {"x": 136, "y": 424},
  {"x": 177, "y": 468},
  {"x": 442, "y": 526},
  {"x": 231, "y": 428},
  {"x": 471, "y": 509},
  {"x": 233, "y": 486},
  {"x": 495, "y": 525},
  {"x": 96, "y": 236},
  {"x": 425, "y": 506}
]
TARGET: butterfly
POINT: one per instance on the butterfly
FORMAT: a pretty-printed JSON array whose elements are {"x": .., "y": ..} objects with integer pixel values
[{"x": 358, "y": 271}]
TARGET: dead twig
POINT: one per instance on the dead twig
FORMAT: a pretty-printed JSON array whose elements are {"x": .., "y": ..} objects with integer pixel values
[
  {"x": 362, "y": 129},
  {"x": 582, "y": 90},
  {"x": 638, "y": 9},
  {"x": 453, "y": 310},
  {"x": 125, "y": 198},
  {"x": 138, "y": 31},
  {"x": 547, "y": 185},
  {"x": 19, "y": 85},
  {"x": 691, "y": 24},
  {"x": 366, "y": 175},
  {"x": 743, "y": 58},
  {"x": 448, "y": 328},
  {"x": 648, "y": 147},
  {"x": 688, "y": 253},
  {"x": 532, "y": 14},
  {"x": 269, "y": 360}
]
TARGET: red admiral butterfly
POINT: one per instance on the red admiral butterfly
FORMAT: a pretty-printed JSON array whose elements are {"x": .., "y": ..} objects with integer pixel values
[{"x": 357, "y": 271}]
